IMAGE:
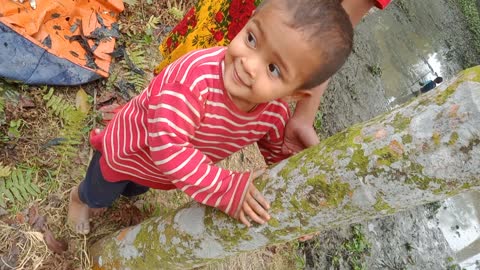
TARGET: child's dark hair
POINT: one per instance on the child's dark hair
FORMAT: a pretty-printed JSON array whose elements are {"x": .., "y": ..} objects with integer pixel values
[
  {"x": 438, "y": 80},
  {"x": 327, "y": 27}
]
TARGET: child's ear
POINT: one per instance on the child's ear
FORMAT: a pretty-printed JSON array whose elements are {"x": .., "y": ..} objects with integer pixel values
[{"x": 298, "y": 95}]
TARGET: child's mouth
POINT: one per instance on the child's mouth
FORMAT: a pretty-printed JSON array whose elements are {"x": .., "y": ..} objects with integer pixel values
[{"x": 237, "y": 78}]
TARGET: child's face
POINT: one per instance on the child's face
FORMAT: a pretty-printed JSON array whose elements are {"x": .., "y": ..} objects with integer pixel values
[{"x": 268, "y": 60}]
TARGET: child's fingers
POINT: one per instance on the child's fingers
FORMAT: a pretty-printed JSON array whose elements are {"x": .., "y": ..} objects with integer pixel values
[
  {"x": 257, "y": 195},
  {"x": 255, "y": 211},
  {"x": 243, "y": 219}
]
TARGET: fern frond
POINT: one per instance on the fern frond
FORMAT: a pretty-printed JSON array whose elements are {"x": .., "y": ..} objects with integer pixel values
[
  {"x": 17, "y": 187},
  {"x": 138, "y": 60},
  {"x": 74, "y": 122}
]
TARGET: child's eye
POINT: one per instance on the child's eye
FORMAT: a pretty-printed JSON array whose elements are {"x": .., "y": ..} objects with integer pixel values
[
  {"x": 274, "y": 70},
  {"x": 251, "y": 40}
]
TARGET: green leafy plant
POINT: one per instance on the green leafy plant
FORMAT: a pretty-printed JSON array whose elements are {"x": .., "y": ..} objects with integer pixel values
[
  {"x": 16, "y": 186},
  {"x": 73, "y": 123},
  {"x": 135, "y": 62},
  {"x": 177, "y": 9},
  {"x": 152, "y": 25},
  {"x": 356, "y": 247}
]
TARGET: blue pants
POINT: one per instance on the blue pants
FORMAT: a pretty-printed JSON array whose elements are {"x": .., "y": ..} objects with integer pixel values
[{"x": 97, "y": 192}]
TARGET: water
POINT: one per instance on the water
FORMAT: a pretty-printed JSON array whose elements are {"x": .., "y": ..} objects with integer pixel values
[
  {"x": 459, "y": 221},
  {"x": 416, "y": 50},
  {"x": 409, "y": 42},
  {"x": 423, "y": 51}
]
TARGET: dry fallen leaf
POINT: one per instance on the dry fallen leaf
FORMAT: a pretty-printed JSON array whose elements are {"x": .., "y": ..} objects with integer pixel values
[
  {"x": 57, "y": 246},
  {"x": 82, "y": 103}
]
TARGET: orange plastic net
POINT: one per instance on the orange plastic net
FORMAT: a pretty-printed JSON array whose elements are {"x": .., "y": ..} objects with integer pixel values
[{"x": 81, "y": 31}]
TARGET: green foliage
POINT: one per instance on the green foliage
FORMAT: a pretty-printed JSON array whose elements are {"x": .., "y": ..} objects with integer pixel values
[
  {"x": 14, "y": 128},
  {"x": 317, "y": 124},
  {"x": 152, "y": 25},
  {"x": 356, "y": 247},
  {"x": 17, "y": 186},
  {"x": 472, "y": 16},
  {"x": 177, "y": 9},
  {"x": 134, "y": 61},
  {"x": 73, "y": 123}
]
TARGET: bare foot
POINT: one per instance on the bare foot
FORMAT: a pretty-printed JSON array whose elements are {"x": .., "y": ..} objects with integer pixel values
[{"x": 78, "y": 213}]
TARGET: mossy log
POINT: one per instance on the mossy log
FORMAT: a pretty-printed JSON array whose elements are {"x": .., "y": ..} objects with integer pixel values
[{"x": 424, "y": 151}]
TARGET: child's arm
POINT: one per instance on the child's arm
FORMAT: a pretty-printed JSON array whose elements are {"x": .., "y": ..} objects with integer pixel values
[{"x": 174, "y": 115}]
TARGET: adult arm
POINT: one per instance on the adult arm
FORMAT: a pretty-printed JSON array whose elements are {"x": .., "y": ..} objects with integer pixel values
[{"x": 299, "y": 132}]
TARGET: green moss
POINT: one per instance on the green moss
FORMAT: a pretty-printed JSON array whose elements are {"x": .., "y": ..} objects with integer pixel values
[
  {"x": 381, "y": 205},
  {"x": 274, "y": 222},
  {"x": 453, "y": 138},
  {"x": 260, "y": 183},
  {"x": 358, "y": 161},
  {"x": 344, "y": 140},
  {"x": 293, "y": 163},
  {"x": 386, "y": 156},
  {"x": 423, "y": 182},
  {"x": 407, "y": 139},
  {"x": 304, "y": 170},
  {"x": 294, "y": 202},
  {"x": 276, "y": 205},
  {"x": 333, "y": 192},
  {"x": 442, "y": 97},
  {"x": 400, "y": 122},
  {"x": 368, "y": 139},
  {"x": 472, "y": 73},
  {"x": 466, "y": 186},
  {"x": 436, "y": 138}
]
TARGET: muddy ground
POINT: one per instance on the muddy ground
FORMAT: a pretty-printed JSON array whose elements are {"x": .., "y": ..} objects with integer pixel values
[{"x": 410, "y": 239}]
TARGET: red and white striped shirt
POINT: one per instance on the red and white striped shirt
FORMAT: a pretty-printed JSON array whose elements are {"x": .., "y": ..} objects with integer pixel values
[{"x": 171, "y": 135}]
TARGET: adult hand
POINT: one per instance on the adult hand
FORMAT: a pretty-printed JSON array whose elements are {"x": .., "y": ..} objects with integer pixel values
[
  {"x": 254, "y": 206},
  {"x": 298, "y": 136}
]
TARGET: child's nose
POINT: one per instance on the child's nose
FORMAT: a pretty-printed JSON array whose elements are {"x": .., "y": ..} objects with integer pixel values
[{"x": 249, "y": 66}]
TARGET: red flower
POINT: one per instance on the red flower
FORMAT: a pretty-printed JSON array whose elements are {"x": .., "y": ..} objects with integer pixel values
[
  {"x": 182, "y": 27},
  {"x": 190, "y": 13},
  {"x": 240, "y": 9},
  {"x": 192, "y": 22},
  {"x": 218, "y": 35},
  {"x": 219, "y": 16},
  {"x": 233, "y": 29},
  {"x": 169, "y": 42}
]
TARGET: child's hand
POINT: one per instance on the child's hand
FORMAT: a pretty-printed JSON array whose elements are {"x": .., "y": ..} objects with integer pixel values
[{"x": 254, "y": 206}]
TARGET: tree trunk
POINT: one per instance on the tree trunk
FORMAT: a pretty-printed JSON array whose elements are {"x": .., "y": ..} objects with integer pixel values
[{"x": 422, "y": 152}]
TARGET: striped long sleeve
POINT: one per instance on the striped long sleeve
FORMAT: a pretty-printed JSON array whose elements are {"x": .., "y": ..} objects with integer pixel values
[{"x": 172, "y": 134}]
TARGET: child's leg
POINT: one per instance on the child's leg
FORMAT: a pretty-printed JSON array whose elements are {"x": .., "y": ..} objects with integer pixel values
[
  {"x": 94, "y": 192},
  {"x": 134, "y": 189}
]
